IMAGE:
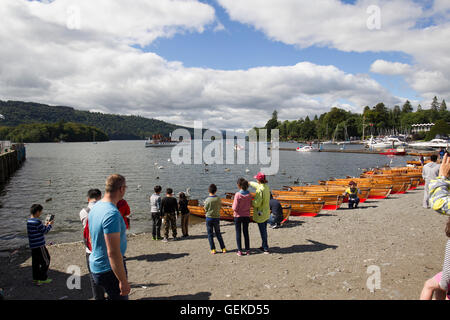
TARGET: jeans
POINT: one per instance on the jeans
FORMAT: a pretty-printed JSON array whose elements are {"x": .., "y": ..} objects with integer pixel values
[
  {"x": 98, "y": 292},
  {"x": 352, "y": 202},
  {"x": 213, "y": 226},
  {"x": 185, "y": 224},
  {"x": 263, "y": 231},
  {"x": 274, "y": 220},
  {"x": 156, "y": 230},
  {"x": 109, "y": 281},
  {"x": 40, "y": 263},
  {"x": 238, "y": 223}
]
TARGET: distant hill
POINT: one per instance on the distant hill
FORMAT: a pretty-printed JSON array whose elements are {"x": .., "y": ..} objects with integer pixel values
[{"x": 117, "y": 127}]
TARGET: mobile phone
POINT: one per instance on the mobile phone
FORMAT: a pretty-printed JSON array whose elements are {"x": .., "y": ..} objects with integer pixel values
[{"x": 50, "y": 218}]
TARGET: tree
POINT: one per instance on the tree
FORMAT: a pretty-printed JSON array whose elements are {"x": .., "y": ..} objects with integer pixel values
[
  {"x": 419, "y": 108},
  {"x": 272, "y": 123},
  {"x": 443, "y": 107},
  {"x": 435, "y": 104},
  {"x": 407, "y": 107},
  {"x": 441, "y": 127}
]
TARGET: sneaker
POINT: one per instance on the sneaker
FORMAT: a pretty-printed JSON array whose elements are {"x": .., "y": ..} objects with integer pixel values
[
  {"x": 224, "y": 250},
  {"x": 45, "y": 281},
  {"x": 266, "y": 252},
  {"x": 154, "y": 238},
  {"x": 36, "y": 282},
  {"x": 175, "y": 238},
  {"x": 247, "y": 252},
  {"x": 239, "y": 253},
  {"x": 213, "y": 251},
  {"x": 159, "y": 238},
  {"x": 165, "y": 240}
]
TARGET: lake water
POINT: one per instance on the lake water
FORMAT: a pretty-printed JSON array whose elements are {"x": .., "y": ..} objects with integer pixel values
[{"x": 64, "y": 172}]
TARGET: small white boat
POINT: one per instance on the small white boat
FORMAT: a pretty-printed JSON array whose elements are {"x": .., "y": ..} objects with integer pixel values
[{"x": 307, "y": 149}]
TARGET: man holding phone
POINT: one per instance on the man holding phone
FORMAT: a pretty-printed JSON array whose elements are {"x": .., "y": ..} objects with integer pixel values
[{"x": 108, "y": 240}]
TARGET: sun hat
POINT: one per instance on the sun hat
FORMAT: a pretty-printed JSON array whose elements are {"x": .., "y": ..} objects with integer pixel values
[
  {"x": 260, "y": 177},
  {"x": 352, "y": 183}
]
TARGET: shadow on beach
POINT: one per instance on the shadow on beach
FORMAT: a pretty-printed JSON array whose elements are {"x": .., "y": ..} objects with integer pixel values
[
  {"x": 157, "y": 257},
  {"x": 291, "y": 224},
  {"x": 17, "y": 283},
  {"x": 314, "y": 247},
  {"x": 197, "y": 296}
]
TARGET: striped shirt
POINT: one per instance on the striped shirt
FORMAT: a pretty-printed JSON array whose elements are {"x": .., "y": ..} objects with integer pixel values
[
  {"x": 439, "y": 199},
  {"x": 36, "y": 231}
]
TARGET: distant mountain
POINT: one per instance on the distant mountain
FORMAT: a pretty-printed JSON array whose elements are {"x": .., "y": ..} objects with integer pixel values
[{"x": 117, "y": 127}]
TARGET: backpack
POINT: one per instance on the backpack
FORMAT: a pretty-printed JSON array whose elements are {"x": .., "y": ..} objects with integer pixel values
[{"x": 86, "y": 234}]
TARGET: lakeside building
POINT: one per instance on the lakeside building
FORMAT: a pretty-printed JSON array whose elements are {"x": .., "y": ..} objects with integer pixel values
[{"x": 422, "y": 127}]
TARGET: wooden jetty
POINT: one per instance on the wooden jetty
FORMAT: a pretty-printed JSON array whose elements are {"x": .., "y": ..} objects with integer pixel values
[{"x": 10, "y": 160}]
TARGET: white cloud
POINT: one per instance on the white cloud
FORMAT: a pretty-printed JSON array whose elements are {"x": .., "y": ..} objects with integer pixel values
[
  {"x": 390, "y": 68},
  {"x": 95, "y": 67},
  {"x": 342, "y": 26}
]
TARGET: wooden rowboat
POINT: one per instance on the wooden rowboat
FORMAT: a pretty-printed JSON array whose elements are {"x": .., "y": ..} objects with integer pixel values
[
  {"x": 363, "y": 192},
  {"x": 306, "y": 207},
  {"x": 332, "y": 200},
  {"x": 226, "y": 212}
]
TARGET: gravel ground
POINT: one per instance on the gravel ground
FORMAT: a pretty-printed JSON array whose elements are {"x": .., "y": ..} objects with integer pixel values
[{"x": 331, "y": 256}]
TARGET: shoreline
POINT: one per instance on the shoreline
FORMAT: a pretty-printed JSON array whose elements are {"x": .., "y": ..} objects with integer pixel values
[{"x": 326, "y": 257}]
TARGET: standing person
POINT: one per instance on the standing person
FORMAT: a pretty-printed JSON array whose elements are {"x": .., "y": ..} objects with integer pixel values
[
  {"x": 184, "y": 210},
  {"x": 442, "y": 153},
  {"x": 169, "y": 210},
  {"x": 422, "y": 160},
  {"x": 352, "y": 192},
  {"x": 439, "y": 199},
  {"x": 109, "y": 241},
  {"x": 429, "y": 172},
  {"x": 93, "y": 196},
  {"x": 242, "y": 204},
  {"x": 212, "y": 212},
  {"x": 124, "y": 210},
  {"x": 36, "y": 237},
  {"x": 276, "y": 216},
  {"x": 155, "y": 209},
  {"x": 261, "y": 208}
]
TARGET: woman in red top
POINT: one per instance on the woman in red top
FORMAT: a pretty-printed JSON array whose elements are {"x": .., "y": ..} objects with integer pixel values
[{"x": 124, "y": 210}]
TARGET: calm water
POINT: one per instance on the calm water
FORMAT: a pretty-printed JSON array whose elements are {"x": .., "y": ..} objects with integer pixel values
[{"x": 64, "y": 173}]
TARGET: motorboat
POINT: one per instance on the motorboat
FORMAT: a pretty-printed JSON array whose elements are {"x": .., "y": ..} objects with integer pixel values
[
  {"x": 388, "y": 142},
  {"x": 307, "y": 149},
  {"x": 394, "y": 152},
  {"x": 435, "y": 143}
]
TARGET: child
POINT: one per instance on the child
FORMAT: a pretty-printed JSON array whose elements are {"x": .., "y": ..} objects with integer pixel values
[
  {"x": 241, "y": 211},
  {"x": 39, "y": 253},
  {"x": 169, "y": 206},
  {"x": 124, "y": 210},
  {"x": 155, "y": 210},
  {"x": 183, "y": 207},
  {"x": 352, "y": 192},
  {"x": 212, "y": 211}
]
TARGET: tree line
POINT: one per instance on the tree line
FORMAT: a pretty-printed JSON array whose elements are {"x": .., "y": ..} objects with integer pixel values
[
  {"x": 116, "y": 127},
  {"x": 45, "y": 132},
  {"x": 339, "y": 124}
]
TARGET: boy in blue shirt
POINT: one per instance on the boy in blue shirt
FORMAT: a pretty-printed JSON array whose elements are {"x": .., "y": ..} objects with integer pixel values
[{"x": 39, "y": 253}]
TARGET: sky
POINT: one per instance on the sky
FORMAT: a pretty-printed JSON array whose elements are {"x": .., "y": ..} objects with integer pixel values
[{"x": 227, "y": 63}]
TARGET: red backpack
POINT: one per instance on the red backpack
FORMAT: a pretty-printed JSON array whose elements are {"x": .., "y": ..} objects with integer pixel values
[{"x": 86, "y": 234}]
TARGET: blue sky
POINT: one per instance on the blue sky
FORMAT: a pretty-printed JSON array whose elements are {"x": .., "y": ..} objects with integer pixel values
[
  {"x": 107, "y": 74},
  {"x": 241, "y": 46}
]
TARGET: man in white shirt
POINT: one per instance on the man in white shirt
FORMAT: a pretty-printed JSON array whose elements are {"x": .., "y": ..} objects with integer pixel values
[
  {"x": 429, "y": 172},
  {"x": 93, "y": 195}
]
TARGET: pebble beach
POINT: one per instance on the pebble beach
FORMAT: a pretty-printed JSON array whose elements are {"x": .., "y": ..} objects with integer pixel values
[{"x": 330, "y": 256}]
